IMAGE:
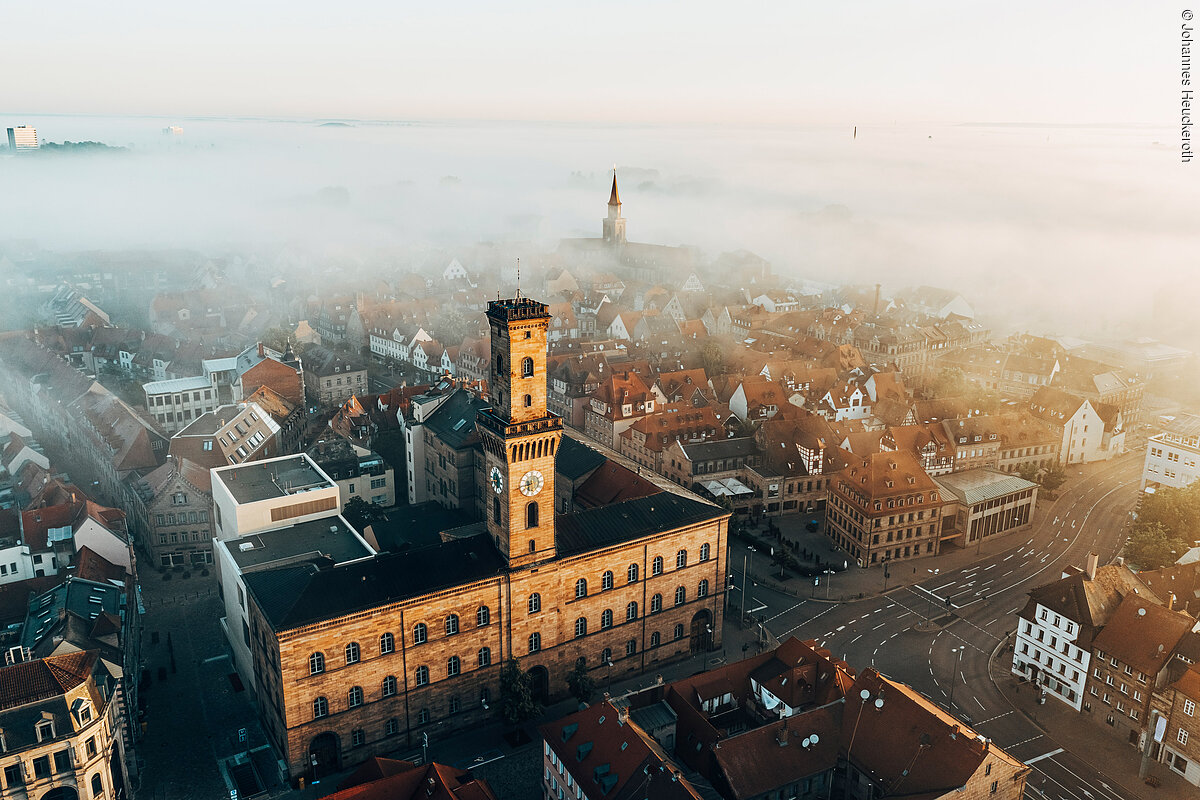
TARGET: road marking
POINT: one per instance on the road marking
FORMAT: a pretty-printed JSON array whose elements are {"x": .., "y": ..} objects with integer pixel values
[
  {"x": 880, "y": 625},
  {"x": 989, "y": 566},
  {"x": 855, "y": 639},
  {"x": 1007, "y": 557},
  {"x": 943, "y": 586},
  {"x": 781, "y": 613},
  {"x": 991, "y": 719},
  {"x": 981, "y": 705},
  {"x": 1051, "y": 754},
  {"x": 841, "y": 628}
]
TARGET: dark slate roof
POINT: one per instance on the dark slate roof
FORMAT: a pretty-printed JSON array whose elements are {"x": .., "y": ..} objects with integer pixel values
[
  {"x": 295, "y": 596},
  {"x": 454, "y": 420},
  {"x": 719, "y": 448},
  {"x": 575, "y": 459},
  {"x": 632, "y": 519}
]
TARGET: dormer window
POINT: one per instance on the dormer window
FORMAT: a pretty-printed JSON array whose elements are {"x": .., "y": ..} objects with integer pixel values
[
  {"x": 45, "y": 730},
  {"x": 82, "y": 710}
]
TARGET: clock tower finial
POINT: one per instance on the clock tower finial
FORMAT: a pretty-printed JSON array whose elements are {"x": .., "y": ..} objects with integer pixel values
[
  {"x": 614, "y": 223},
  {"x": 520, "y": 437}
]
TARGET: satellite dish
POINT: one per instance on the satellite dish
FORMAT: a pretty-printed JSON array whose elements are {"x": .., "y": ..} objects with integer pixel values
[
  {"x": 807, "y": 741},
  {"x": 879, "y": 703},
  {"x": 814, "y": 738},
  {"x": 1141, "y": 612},
  {"x": 865, "y": 694}
]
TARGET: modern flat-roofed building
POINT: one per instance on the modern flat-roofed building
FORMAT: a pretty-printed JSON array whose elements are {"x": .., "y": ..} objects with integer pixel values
[
  {"x": 326, "y": 541},
  {"x": 988, "y": 504},
  {"x": 1171, "y": 456},
  {"x": 266, "y": 494}
]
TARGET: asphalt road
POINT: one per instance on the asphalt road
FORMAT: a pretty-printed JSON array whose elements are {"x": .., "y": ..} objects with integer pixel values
[{"x": 951, "y": 656}]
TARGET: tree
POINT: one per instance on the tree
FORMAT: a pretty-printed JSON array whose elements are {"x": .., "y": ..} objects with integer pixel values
[
  {"x": 712, "y": 358},
  {"x": 580, "y": 683},
  {"x": 516, "y": 694},
  {"x": 360, "y": 513},
  {"x": 1029, "y": 471},
  {"x": 276, "y": 338},
  {"x": 1152, "y": 546},
  {"x": 1177, "y": 510},
  {"x": 1054, "y": 477},
  {"x": 950, "y": 382}
]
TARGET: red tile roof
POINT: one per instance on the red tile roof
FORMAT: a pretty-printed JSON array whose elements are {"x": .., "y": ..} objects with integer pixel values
[
  {"x": 388, "y": 779},
  {"x": 31, "y": 681}
]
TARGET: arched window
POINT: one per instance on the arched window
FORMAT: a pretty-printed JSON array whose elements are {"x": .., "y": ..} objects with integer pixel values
[
  {"x": 455, "y": 705},
  {"x": 633, "y": 573},
  {"x": 655, "y": 639},
  {"x": 320, "y": 707},
  {"x": 680, "y": 595},
  {"x": 500, "y": 363},
  {"x": 422, "y": 675},
  {"x": 606, "y": 656},
  {"x": 656, "y": 567},
  {"x": 535, "y": 642},
  {"x": 535, "y": 603},
  {"x": 496, "y": 510},
  {"x": 387, "y": 644},
  {"x": 702, "y": 591},
  {"x": 532, "y": 546},
  {"x": 484, "y": 657},
  {"x": 679, "y": 631},
  {"x": 526, "y": 367},
  {"x": 423, "y": 716},
  {"x": 485, "y": 695},
  {"x": 581, "y": 627},
  {"x": 97, "y": 785},
  {"x": 352, "y": 653},
  {"x": 528, "y": 400},
  {"x": 355, "y": 696},
  {"x": 631, "y": 647},
  {"x": 606, "y": 619},
  {"x": 531, "y": 515},
  {"x": 681, "y": 559},
  {"x": 483, "y": 616},
  {"x": 581, "y": 588},
  {"x": 631, "y": 611},
  {"x": 452, "y": 624},
  {"x": 420, "y": 633},
  {"x": 316, "y": 663},
  {"x": 704, "y": 551},
  {"x": 453, "y": 666},
  {"x": 656, "y": 604},
  {"x": 389, "y": 686},
  {"x": 606, "y": 580}
]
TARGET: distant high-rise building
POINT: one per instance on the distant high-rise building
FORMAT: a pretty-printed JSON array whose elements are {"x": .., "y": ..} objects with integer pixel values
[{"x": 22, "y": 137}]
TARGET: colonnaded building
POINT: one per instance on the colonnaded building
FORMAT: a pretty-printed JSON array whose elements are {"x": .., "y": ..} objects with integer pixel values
[{"x": 360, "y": 658}]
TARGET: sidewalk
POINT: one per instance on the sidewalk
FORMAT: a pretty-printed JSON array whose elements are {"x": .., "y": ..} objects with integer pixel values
[{"x": 1111, "y": 758}]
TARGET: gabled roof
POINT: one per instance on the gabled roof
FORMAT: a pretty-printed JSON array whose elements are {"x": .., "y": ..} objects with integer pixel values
[
  {"x": 43, "y": 678},
  {"x": 1088, "y": 602},
  {"x": 1143, "y": 634}
]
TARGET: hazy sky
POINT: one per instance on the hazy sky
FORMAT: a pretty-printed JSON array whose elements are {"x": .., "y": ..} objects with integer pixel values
[{"x": 806, "y": 62}]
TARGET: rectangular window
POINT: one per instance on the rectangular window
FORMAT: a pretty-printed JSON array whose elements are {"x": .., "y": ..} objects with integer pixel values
[
  {"x": 62, "y": 761},
  {"x": 13, "y": 776},
  {"x": 1182, "y": 736},
  {"x": 41, "y": 767}
]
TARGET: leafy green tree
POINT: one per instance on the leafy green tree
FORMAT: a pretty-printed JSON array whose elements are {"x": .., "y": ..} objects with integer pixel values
[
  {"x": 950, "y": 382},
  {"x": 360, "y": 513},
  {"x": 1177, "y": 510},
  {"x": 1152, "y": 546},
  {"x": 516, "y": 694},
  {"x": 276, "y": 338},
  {"x": 1029, "y": 471},
  {"x": 1054, "y": 477},
  {"x": 580, "y": 683}
]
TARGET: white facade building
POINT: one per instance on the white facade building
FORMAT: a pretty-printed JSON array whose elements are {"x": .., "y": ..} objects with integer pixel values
[
  {"x": 1172, "y": 456},
  {"x": 174, "y": 404},
  {"x": 266, "y": 494}
]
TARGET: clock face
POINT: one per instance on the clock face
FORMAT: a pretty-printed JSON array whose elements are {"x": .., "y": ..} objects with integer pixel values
[
  {"x": 497, "y": 480},
  {"x": 531, "y": 483}
]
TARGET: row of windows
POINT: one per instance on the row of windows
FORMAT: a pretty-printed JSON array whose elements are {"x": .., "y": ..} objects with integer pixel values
[
  {"x": 387, "y": 642},
  {"x": 656, "y": 568}
]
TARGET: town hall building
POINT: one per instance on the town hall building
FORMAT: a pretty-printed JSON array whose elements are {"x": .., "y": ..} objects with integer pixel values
[{"x": 359, "y": 658}]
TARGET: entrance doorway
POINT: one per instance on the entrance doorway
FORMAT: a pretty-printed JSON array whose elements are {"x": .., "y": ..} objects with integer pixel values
[
  {"x": 539, "y": 684},
  {"x": 701, "y": 638},
  {"x": 324, "y": 756}
]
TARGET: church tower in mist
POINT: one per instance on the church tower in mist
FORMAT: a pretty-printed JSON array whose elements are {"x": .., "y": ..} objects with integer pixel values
[{"x": 614, "y": 223}]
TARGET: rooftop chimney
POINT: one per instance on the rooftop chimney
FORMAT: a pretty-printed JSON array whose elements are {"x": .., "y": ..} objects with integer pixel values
[
  {"x": 1171, "y": 601},
  {"x": 1093, "y": 562},
  {"x": 261, "y": 350}
]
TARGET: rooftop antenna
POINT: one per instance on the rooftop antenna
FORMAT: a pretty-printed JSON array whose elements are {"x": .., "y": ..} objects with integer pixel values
[{"x": 518, "y": 279}]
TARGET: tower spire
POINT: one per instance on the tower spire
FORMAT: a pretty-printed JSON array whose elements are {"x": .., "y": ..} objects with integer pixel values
[{"x": 614, "y": 199}]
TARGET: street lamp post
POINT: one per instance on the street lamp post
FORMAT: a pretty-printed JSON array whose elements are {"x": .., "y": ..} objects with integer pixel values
[
  {"x": 745, "y": 572},
  {"x": 886, "y": 573},
  {"x": 954, "y": 671},
  {"x": 929, "y": 607},
  {"x": 828, "y": 583}
]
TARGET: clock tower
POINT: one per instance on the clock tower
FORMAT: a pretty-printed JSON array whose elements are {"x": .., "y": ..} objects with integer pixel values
[{"x": 520, "y": 437}]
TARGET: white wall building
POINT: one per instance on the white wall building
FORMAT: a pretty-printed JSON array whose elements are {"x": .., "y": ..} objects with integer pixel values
[
  {"x": 176, "y": 403},
  {"x": 414, "y": 442},
  {"x": 1171, "y": 456},
  {"x": 266, "y": 494}
]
